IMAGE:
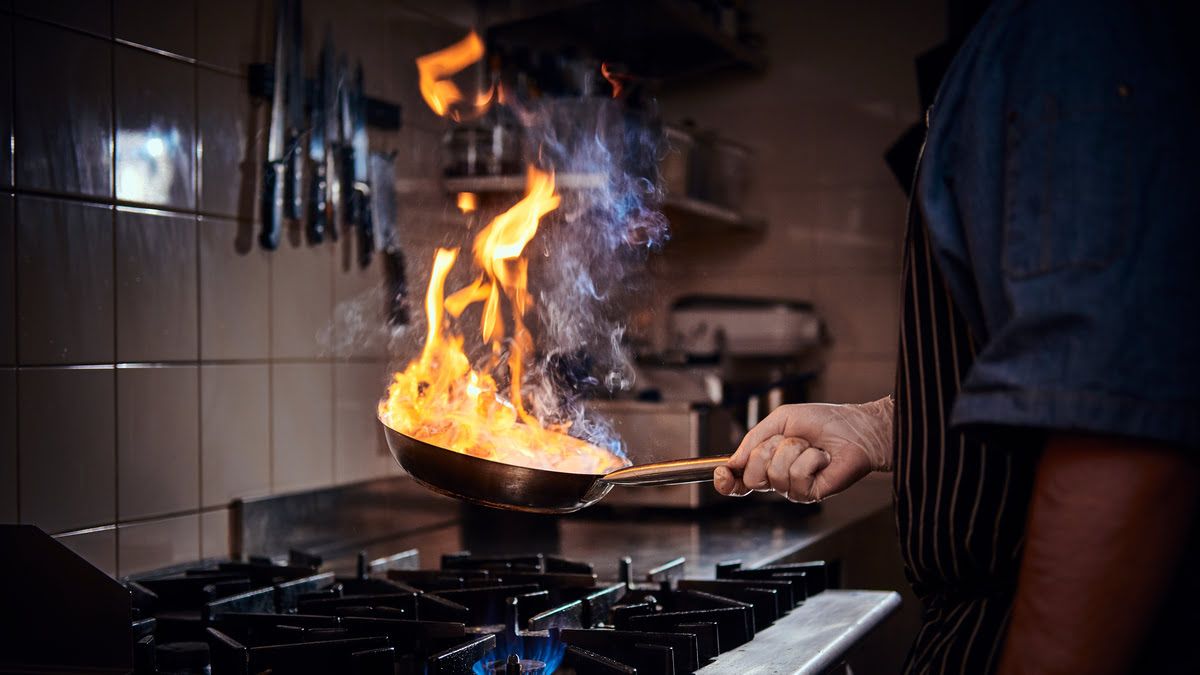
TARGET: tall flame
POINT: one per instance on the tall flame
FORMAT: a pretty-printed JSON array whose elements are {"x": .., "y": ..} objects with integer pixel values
[
  {"x": 442, "y": 399},
  {"x": 435, "y": 69}
]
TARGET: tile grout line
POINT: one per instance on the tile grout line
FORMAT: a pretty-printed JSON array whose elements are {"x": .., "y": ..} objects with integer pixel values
[
  {"x": 112, "y": 186},
  {"x": 198, "y": 184},
  {"x": 12, "y": 166}
]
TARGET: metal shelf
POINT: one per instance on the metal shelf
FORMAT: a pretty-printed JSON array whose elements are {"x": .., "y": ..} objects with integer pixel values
[{"x": 516, "y": 182}]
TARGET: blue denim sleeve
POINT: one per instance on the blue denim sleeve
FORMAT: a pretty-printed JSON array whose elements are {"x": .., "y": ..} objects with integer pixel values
[{"x": 1091, "y": 299}]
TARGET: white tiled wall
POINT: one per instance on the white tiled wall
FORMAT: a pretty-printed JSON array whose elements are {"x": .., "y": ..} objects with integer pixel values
[
  {"x": 155, "y": 362},
  {"x": 840, "y": 89}
]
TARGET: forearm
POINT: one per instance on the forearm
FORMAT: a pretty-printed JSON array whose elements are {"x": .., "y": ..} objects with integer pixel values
[{"x": 1108, "y": 522}]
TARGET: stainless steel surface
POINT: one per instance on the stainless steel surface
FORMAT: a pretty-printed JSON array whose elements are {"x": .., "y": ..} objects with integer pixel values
[
  {"x": 519, "y": 488},
  {"x": 394, "y": 514},
  {"x": 811, "y": 639}
]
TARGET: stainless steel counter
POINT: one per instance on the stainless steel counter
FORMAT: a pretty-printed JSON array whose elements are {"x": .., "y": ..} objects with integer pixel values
[
  {"x": 384, "y": 517},
  {"x": 813, "y": 638}
]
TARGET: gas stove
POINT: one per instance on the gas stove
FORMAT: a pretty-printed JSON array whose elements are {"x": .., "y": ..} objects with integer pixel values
[{"x": 528, "y": 613}]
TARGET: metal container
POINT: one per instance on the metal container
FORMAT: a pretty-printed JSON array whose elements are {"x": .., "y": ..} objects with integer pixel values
[{"x": 674, "y": 166}]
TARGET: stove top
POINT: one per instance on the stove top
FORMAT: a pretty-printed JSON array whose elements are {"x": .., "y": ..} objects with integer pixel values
[{"x": 528, "y": 613}]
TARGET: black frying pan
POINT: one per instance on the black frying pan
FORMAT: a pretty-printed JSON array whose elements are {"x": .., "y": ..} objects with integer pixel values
[{"x": 520, "y": 488}]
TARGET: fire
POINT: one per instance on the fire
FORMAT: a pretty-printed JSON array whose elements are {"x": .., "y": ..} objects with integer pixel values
[
  {"x": 435, "y": 69},
  {"x": 467, "y": 202},
  {"x": 440, "y": 398},
  {"x": 617, "y": 80}
]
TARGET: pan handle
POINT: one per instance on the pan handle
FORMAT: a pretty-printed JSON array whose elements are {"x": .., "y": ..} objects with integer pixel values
[{"x": 675, "y": 472}]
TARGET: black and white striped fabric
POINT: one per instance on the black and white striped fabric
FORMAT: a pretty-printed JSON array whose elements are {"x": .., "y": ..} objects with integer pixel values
[{"x": 960, "y": 503}]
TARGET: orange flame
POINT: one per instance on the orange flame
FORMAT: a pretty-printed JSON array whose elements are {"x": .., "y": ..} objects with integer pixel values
[
  {"x": 467, "y": 202},
  {"x": 442, "y": 399},
  {"x": 617, "y": 80},
  {"x": 435, "y": 70}
]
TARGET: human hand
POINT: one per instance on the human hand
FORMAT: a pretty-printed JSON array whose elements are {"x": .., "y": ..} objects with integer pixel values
[{"x": 810, "y": 451}]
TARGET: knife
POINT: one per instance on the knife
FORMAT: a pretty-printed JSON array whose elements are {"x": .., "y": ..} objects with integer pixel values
[
  {"x": 345, "y": 148},
  {"x": 318, "y": 188},
  {"x": 294, "y": 197},
  {"x": 274, "y": 169},
  {"x": 362, "y": 176}
]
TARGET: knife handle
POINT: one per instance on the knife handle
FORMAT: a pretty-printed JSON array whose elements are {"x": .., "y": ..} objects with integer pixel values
[
  {"x": 272, "y": 204},
  {"x": 362, "y": 213},
  {"x": 294, "y": 191},
  {"x": 317, "y": 204}
]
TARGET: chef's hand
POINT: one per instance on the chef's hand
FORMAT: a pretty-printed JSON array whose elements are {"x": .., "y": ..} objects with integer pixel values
[{"x": 810, "y": 451}]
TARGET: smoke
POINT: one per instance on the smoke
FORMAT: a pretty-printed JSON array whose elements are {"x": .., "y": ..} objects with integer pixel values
[{"x": 586, "y": 263}]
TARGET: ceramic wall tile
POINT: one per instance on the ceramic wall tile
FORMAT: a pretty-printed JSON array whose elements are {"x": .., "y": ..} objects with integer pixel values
[
  {"x": 9, "y": 489},
  {"x": 360, "y": 293},
  {"x": 235, "y": 432},
  {"x": 63, "y": 130},
  {"x": 156, "y": 287},
  {"x": 232, "y": 34},
  {"x": 94, "y": 16},
  {"x": 360, "y": 451},
  {"x": 158, "y": 441},
  {"x": 97, "y": 546},
  {"x": 8, "y": 281},
  {"x": 65, "y": 282},
  {"x": 153, "y": 544},
  {"x": 302, "y": 425},
  {"x": 301, "y": 300},
  {"x": 67, "y": 483},
  {"x": 235, "y": 311},
  {"x": 156, "y": 129},
  {"x": 854, "y": 379},
  {"x": 233, "y": 133},
  {"x": 166, "y": 26},
  {"x": 862, "y": 312},
  {"x": 214, "y": 534}
]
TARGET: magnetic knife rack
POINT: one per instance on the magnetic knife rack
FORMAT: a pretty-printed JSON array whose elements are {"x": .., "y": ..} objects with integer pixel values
[{"x": 381, "y": 114}]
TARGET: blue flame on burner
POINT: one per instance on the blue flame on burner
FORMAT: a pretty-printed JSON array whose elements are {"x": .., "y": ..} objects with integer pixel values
[{"x": 546, "y": 650}]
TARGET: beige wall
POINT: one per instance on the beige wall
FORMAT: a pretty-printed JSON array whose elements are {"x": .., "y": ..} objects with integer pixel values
[
  {"x": 155, "y": 363},
  {"x": 839, "y": 89}
]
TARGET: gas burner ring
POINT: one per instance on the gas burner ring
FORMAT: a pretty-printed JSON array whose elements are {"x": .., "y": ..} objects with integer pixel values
[{"x": 514, "y": 665}]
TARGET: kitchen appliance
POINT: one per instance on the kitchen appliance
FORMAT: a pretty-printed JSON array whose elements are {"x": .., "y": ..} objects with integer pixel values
[
  {"x": 523, "y": 613},
  {"x": 521, "y": 488},
  {"x": 707, "y": 327}
]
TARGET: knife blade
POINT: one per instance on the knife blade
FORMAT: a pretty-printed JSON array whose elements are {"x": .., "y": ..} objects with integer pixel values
[
  {"x": 318, "y": 204},
  {"x": 362, "y": 176},
  {"x": 295, "y": 110},
  {"x": 274, "y": 168}
]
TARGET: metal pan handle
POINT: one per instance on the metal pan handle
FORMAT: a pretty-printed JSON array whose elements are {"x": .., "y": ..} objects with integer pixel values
[{"x": 675, "y": 472}]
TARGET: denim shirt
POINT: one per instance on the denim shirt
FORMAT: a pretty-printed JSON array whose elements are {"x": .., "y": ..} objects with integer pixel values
[{"x": 1060, "y": 184}]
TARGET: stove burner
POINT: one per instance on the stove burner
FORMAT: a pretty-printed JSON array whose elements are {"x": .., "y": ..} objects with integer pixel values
[
  {"x": 514, "y": 665},
  {"x": 478, "y": 615}
]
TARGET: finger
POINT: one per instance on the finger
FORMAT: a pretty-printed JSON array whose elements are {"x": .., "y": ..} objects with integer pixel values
[
  {"x": 771, "y": 425},
  {"x": 727, "y": 484},
  {"x": 787, "y": 453},
  {"x": 803, "y": 473},
  {"x": 755, "y": 473}
]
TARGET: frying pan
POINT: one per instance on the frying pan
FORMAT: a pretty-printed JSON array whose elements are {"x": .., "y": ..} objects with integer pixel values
[{"x": 520, "y": 488}]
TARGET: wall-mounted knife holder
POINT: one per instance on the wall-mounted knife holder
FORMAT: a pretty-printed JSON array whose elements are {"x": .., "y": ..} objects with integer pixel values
[{"x": 381, "y": 114}]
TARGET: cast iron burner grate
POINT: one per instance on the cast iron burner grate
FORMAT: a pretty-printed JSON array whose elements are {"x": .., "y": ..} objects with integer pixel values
[{"x": 481, "y": 615}]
